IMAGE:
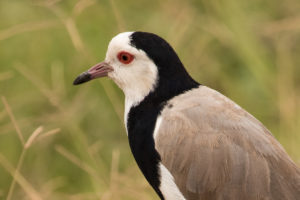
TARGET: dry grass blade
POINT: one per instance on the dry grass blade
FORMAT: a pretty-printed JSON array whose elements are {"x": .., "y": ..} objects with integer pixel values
[
  {"x": 46, "y": 3},
  {"x": 27, "y": 27},
  {"x": 49, "y": 133},
  {"x": 82, "y": 5},
  {"x": 21, "y": 159},
  {"x": 114, "y": 165},
  {"x": 85, "y": 167},
  {"x": 114, "y": 99},
  {"x": 58, "y": 78},
  {"x": 33, "y": 136},
  {"x": 183, "y": 21},
  {"x": 65, "y": 153},
  {"x": 50, "y": 186},
  {"x": 13, "y": 120},
  {"x": 74, "y": 35},
  {"x": 113, "y": 176},
  {"x": 27, "y": 187},
  {"x": 94, "y": 148},
  {"x": 287, "y": 24},
  {"x": 71, "y": 28},
  {"x": 120, "y": 22},
  {"x": 80, "y": 196},
  {"x": 39, "y": 84},
  {"x": 13, "y": 183}
]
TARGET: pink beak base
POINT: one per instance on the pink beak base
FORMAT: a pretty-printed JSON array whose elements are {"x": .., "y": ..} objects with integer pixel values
[{"x": 97, "y": 71}]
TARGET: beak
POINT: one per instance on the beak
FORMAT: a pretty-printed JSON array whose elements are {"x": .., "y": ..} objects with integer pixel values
[{"x": 97, "y": 71}]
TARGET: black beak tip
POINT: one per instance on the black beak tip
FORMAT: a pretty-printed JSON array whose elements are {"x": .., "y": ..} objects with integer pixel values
[{"x": 82, "y": 78}]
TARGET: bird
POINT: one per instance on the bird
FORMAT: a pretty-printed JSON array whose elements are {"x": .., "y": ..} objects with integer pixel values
[{"x": 190, "y": 141}]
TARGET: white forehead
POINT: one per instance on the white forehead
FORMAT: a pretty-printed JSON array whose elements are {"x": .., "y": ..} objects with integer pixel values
[
  {"x": 122, "y": 39},
  {"x": 120, "y": 42}
]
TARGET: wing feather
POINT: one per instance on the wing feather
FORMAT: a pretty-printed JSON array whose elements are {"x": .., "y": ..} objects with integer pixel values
[{"x": 216, "y": 150}]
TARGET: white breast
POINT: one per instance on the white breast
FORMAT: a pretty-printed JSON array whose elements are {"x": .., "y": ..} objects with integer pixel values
[{"x": 128, "y": 105}]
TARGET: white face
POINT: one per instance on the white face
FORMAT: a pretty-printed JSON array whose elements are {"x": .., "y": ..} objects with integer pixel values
[{"x": 136, "y": 73}]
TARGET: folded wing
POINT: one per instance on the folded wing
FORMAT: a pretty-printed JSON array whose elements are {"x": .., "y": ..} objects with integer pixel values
[{"x": 216, "y": 150}]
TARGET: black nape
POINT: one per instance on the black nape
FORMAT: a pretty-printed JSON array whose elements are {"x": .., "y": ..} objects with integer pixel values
[{"x": 173, "y": 78}]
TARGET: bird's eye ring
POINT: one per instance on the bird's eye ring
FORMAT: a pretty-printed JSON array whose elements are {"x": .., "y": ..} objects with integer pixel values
[{"x": 125, "y": 57}]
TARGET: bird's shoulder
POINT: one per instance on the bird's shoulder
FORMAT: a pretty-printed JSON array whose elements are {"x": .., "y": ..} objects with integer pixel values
[{"x": 204, "y": 109}]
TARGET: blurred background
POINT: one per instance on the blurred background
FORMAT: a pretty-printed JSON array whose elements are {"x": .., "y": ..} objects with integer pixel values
[{"x": 58, "y": 141}]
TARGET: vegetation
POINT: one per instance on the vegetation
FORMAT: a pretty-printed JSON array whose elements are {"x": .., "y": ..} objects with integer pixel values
[{"x": 58, "y": 141}]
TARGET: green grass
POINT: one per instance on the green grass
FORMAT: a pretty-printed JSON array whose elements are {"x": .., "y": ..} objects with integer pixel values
[{"x": 69, "y": 142}]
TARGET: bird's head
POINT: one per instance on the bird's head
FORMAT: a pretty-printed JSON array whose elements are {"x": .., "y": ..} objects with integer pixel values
[{"x": 140, "y": 63}]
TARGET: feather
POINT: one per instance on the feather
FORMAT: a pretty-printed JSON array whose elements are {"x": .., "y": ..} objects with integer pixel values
[{"x": 216, "y": 150}]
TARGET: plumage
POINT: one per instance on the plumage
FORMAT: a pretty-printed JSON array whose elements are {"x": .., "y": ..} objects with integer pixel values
[
  {"x": 190, "y": 141},
  {"x": 216, "y": 150}
]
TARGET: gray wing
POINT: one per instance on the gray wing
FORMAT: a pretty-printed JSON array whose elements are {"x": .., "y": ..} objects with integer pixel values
[{"x": 216, "y": 150}]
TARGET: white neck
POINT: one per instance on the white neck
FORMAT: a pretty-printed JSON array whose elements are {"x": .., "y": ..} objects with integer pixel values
[{"x": 136, "y": 89}]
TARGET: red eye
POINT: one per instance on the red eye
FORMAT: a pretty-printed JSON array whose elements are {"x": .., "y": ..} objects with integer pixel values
[{"x": 125, "y": 57}]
